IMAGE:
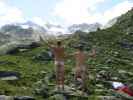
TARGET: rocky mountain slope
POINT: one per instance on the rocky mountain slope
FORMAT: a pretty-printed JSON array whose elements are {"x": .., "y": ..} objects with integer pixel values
[
  {"x": 84, "y": 27},
  {"x": 113, "y": 62},
  {"x": 32, "y": 32}
]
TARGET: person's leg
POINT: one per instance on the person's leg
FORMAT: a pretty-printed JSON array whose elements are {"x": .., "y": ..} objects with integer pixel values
[
  {"x": 77, "y": 73},
  {"x": 83, "y": 78},
  {"x": 78, "y": 78},
  {"x": 57, "y": 74},
  {"x": 62, "y": 75}
]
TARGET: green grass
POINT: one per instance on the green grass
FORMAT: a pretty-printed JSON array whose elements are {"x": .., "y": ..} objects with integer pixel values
[{"x": 27, "y": 67}]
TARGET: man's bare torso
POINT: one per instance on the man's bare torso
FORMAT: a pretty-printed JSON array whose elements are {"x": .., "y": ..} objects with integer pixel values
[
  {"x": 58, "y": 53},
  {"x": 80, "y": 58}
]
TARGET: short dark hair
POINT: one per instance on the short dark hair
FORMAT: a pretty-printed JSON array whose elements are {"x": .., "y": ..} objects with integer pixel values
[
  {"x": 80, "y": 47},
  {"x": 58, "y": 43}
]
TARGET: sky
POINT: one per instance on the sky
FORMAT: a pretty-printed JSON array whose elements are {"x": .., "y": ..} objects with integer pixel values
[{"x": 62, "y": 12}]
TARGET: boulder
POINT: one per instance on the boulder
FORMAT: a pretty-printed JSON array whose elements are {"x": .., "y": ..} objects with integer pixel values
[
  {"x": 22, "y": 48},
  {"x": 4, "y": 97},
  {"x": 42, "y": 90},
  {"x": 43, "y": 56},
  {"x": 8, "y": 75},
  {"x": 24, "y": 98}
]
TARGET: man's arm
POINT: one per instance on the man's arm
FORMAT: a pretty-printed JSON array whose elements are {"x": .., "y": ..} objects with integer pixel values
[
  {"x": 49, "y": 44},
  {"x": 69, "y": 55},
  {"x": 92, "y": 54}
]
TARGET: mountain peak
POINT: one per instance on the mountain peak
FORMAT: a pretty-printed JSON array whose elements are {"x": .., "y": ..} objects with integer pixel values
[{"x": 84, "y": 27}]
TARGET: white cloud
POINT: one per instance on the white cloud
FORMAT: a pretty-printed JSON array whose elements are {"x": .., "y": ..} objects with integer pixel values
[
  {"x": 85, "y": 11},
  {"x": 67, "y": 12},
  {"x": 9, "y": 14},
  {"x": 38, "y": 20},
  {"x": 117, "y": 10},
  {"x": 76, "y": 11}
]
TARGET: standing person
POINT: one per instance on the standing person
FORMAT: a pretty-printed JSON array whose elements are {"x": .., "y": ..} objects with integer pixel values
[
  {"x": 58, "y": 52},
  {"x": 81, "y": 71}
]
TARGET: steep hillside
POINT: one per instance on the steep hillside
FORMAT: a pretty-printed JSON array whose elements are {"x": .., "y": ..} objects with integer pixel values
[{"x": 125, "y": 22}]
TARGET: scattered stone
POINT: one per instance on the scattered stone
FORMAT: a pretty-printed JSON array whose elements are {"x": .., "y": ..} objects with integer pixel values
[
  {"x": 122, "y": 71},
  {"x": 130, "y": 73},
  {"x": 105, "y": 67},
  {"x": 99, "y": 90},
  {"x": 42, "y": 90},
  {"x": 79, "y": 94},
  {"x": 9, "y": 78},
  {"x": 7, "y": 75},
  {"x": 43, "y": 72},
  {"x": 13, "y": 50},
  {"x": 23, "y": 50},
  {"x": 58, "y": 97},
  {"x": 24, "y": 98},
  {"x": 67, "y": 90},
  {"x": 99, "y": 86},
  {"x": 7, "y": 62},
  {"x": 115, "y": 78},
  {"x": 3, "y": 97},
  {"x": 91, "y": 77},
  {"x": 70, "y": 93},
  {"x": 126, "y": 44},
  {"x": 107, "y": 98},
  {"x": 43, "y": 56}
]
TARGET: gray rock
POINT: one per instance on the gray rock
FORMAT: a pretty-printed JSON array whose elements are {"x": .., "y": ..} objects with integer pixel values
[
  {"x": 3, "y": 97},
  {"x": 7, "y": 75},
  {"x": 107, "y": 98},
  {"x": 57, "y": 97},
  {"x": 115, "y": 78},
  {"x": 24, "y": 98},
  {"x": 122, "y": 71},
  {"x": 99, "y": 86}
]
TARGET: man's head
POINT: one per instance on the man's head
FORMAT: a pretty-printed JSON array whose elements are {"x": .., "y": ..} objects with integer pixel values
[
  {"x": 80, "y": 47},
  {"x": 59, "y": 43}
]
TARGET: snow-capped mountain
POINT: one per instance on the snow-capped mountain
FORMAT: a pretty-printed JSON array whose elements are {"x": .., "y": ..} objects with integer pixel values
[
  {"x": 55, "y": 30},
  {"x": 84, "y": 27},
  {"x": 48, "y": 29},
  {"x": 18, "y": 33},
  {"x": 30, "y": 24},
  {"x": 30, "y": 31},
  {"x": 37, "y": 29}
]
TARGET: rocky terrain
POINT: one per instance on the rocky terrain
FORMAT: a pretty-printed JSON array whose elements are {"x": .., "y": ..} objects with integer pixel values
[{"x": 113, "y": 62}]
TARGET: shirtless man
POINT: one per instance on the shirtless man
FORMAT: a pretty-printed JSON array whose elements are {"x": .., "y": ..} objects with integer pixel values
[
  {"x": 80, "y": 57},
  {"x": 80, "y": 72},
  {"x": 58, "y": 52}
]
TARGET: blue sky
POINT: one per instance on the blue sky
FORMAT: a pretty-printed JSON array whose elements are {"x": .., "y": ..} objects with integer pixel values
[
  {"x": 32, "y": 8},
  {"x": 65, "y": 12}
]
